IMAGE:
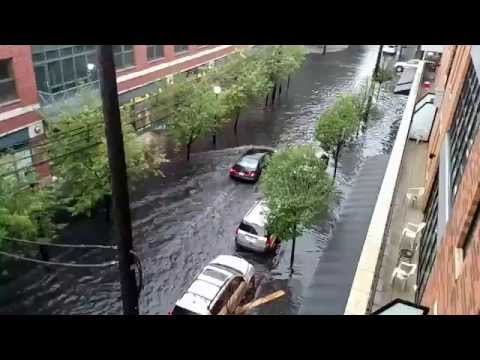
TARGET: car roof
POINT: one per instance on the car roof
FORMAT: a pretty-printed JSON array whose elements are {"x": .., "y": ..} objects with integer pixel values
[
  {"x": 256, "y": 156},
  {"x": 232, "y": 262},
  {"x": 257, "y": 214},
  {"x": 204, "y": 290}
]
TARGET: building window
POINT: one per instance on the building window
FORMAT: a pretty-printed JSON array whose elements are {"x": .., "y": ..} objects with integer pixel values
[
  {"x": 154, "y": 52},
  {"x": 464, "y": 129},
  {"x": 8, "y": 92},
  {"x": 180, "y": 48},
  {"x": 473, "y": 232},
  {"x": 59, "y": 68},
  {"x": 428, "y": 243},
  {"x": 16, "y": 156},
  {"x": 123, "y": 56}
]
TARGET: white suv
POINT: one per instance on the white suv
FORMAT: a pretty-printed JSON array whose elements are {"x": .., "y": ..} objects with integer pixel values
[
  {"x": 252, "y": 233},
  {"x": 226, "y": 280}
]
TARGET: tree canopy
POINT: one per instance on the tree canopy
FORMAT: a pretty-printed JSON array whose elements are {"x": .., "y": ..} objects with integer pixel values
[{"x": 297, "y": 191}]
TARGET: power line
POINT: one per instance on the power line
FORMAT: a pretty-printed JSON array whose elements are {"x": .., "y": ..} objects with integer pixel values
[
  {"x": 24, "y": 258},
  {"x": 82, "y": 246}
]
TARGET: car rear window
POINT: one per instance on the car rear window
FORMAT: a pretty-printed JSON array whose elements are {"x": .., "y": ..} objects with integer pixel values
[
  {"x": 248, "y": 163},
  {"x": 177, "y": 310},
  {"x": 248, "y": 228},
  {"x": 215, "y": 274}
]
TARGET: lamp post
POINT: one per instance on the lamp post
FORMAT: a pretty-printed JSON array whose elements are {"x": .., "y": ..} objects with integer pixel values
[{"x": 217, "y": 90}]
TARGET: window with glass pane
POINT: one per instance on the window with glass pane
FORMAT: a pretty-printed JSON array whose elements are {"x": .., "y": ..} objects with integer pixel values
[
  {"x": 180, "y": 48},
  {"x": 154, "y": 52},
  {"x": 123, "y": 56},
  {"x": 62, "y": 67},
  {"x": 428, "y": 242},
  {"x": 8, "y": 91},
  {"x": 465, "y": 125}
]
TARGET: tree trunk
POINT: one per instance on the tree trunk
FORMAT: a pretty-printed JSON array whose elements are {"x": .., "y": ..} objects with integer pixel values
[
  {"x": 108, "y": 203},
  {"x": 42, "y": 250},
  {"x": 292, "y": 255},
  {"x": 337, "y": 156},
  {"x": 237, "y": 117},
  {"x": 280, "y": 90},
  {"x": 324, "y": 49},
  {"x": 379, "y": 56},
  {"x": 288, "y": 82},
  {"x": 189, "y": 145},
  {"x": 214, "y": 139},
  {"x": 274, "y": 92}
]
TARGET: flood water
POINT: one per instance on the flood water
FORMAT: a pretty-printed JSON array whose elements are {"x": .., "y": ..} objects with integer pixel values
[{"x": 184, "y": 220}]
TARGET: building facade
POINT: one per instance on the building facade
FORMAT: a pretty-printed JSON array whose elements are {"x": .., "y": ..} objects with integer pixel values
[
  {"x": 42, "y": 77},
  {"x": 448, "y": 275}
]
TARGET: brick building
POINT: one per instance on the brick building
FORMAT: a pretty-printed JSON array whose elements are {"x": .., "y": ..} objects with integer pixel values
[
  {"x": 42, "y": 77},
  {"x": 448, "y": 276}
]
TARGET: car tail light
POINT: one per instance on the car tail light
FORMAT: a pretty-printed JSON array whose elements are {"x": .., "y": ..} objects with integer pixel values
[
  {"x": 233, "y": 171},
  {"x": 251, "y": 173},
  {"x": 170, "y": 312},
  {"x": 236, "y": 231},
  {"x": 269, "y": 241}
]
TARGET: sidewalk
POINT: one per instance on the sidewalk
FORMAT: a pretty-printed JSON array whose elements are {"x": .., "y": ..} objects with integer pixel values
[{"x": 412, "y": 174}]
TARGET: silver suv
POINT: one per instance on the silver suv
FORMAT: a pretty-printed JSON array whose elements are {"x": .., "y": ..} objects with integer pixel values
[
  {"x": 224, "y": 284},
  {"x": 252, "y": 233}
]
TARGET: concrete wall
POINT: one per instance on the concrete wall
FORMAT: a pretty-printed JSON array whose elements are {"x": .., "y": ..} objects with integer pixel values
[{"x": 454, "y": 283}]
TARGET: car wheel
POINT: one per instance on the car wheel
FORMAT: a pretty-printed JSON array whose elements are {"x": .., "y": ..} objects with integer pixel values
[{"x": 399, "y": 68}]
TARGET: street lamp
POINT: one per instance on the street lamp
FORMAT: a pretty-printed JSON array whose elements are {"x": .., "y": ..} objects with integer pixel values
[{"x": 217, "y": 90}]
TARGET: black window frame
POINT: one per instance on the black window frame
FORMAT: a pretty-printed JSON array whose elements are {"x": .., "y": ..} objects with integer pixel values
[
  {"x": 65, "y": 53},
  {"x": 464, "y": 128},
  {"x": 157, "y": 50},
  {"x": 179, "y": 49},
  {"x": 429, "y": 241},
  {"x": 8, "y": 82},
  {"x": 124, "y": 52}
]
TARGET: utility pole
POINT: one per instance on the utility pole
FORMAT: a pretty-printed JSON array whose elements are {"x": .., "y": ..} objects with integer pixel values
[{"x": 118, "y": 169}]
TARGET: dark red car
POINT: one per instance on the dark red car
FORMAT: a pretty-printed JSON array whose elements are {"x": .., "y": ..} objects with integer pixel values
[{"x": 250, "y": 165}]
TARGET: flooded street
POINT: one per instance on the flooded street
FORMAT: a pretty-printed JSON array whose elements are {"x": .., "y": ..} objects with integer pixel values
[{"x": 184, "y": 220}]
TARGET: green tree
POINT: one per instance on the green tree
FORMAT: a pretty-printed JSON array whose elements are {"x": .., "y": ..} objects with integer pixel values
[
  {"x": 197, "y": 113},
  {"x": 297, "y": 191},
  {"x": 249, "y": 83},
  {"x": 336, "y": 126},
  {"x": 77, "y": 145},
  {"x": 280, "y": 61}
]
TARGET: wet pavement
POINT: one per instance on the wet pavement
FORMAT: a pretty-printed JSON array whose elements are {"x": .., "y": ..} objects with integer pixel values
[{"x": 182, "y": 221}]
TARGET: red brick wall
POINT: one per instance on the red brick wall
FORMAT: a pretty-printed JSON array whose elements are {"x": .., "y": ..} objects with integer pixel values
[
  {"x": 461, "y": 295},
  {"x": 24, "y": 75},
  {"x": 169, "y": 56},
  {"x": 443, "y": 119}
]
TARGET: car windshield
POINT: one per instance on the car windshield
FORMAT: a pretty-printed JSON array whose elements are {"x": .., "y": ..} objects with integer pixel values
[{"x": 248, "y": 162}]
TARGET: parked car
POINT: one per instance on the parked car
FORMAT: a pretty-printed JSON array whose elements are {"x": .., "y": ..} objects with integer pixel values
[
  {"x": 250, "y": 165},
  {"x": 252, "y": 233},
  {"x": 400, "y": 65},
  {"x": 390, "y": 49},
  {"x": 225, "y": 279}
]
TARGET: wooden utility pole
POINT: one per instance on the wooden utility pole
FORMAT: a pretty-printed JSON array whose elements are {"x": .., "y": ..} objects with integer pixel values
[{"x": 118, "y": 169}]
